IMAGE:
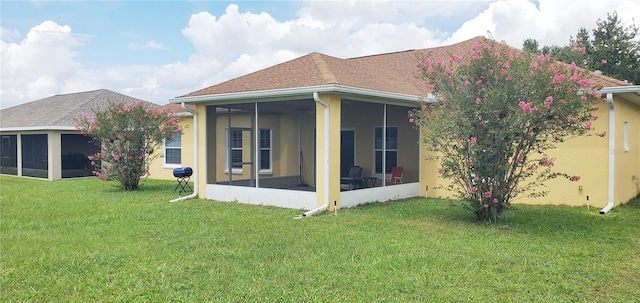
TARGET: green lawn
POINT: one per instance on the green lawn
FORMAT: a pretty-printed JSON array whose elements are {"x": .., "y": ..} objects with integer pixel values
[{"x": 83, "y": 241}]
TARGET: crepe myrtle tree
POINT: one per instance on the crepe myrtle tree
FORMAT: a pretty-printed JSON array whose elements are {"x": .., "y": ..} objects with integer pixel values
[
  {"x": 499, "y": 109},
  {"x": 128, "y": 136}
]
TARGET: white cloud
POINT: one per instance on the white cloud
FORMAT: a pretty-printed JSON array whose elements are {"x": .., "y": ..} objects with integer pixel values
[
  {"x": 155, "y": 45},
  {"x": 9, "y": 34},
  {"x": 39, "y": 64},
  {"x": 234, "y": 43}
]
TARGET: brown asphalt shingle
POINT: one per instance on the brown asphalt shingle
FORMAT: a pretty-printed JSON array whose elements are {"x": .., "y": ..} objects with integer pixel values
[
  {"x": 59, "y": 110},
  {"x": 392, "y": 72}
]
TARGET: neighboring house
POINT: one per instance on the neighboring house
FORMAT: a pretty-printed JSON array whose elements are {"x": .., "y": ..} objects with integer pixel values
[
  {"x": 285, "y": 136},
  {"x": 39, "y": 138}
]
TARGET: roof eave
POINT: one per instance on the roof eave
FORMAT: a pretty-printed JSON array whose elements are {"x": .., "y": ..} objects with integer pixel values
[
  {"x": 37, "y": 128},
  {"x": 304, "y": 92},
  {"x": 620, "y": 89}
]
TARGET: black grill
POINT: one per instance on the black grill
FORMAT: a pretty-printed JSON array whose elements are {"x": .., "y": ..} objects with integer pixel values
[{"x": 182, "y": 172}]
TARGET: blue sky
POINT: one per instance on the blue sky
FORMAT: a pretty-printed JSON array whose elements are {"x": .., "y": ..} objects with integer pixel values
[{"x": 156, "y": 50}]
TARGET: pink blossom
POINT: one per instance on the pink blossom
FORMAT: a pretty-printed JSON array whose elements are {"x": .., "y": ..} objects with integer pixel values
[
  {"x": 583, "y": 82},
  {"x": 440, "y": 170},
  {"x": 559, "y": 78},
  {"x": 563, "y": 101},
  {"x": 583, "y": 98},
  {"x": 508, "y": 78},
  {"x": 485, "y": 205},
  {"x": 90, "y": 158},
  {"x": 531, "y": 73},
  {"x": 473, "y": 190},
  {"x": 602, "y": 134},
  {"x": 466, "y": 82},
  {"x": 478, "y": 101},
  {"x": 457, "y": 58},
  {"x": 116, "y": 157},
  {"x": 526, "y": 106},
  {"x": 495, "y": 200},
  {"x": 506, "y": 65},
  {"x": 587, "y": 125},
  {"x": 575, "y": 178},
  {"x": 478, "y": 82},
  {"x": 411, "y": 120},
  {"x": 548, "y": 101},
  {"x": 594, "y": 118},
  {"x": 520, "y": 158},
  {"x": 424, "y": 106},
  {"x": 604, "y": 61},
  {"x": 487, "y": 194},
  {"x": 595, "y": 107},
  {"x": 473, "y": 140},
  {"x": 470, "y": 163},
  {"x": 476, "y": 178},
  {"x": 511, "y": 57},
  {"x": 572, "y": 65}
]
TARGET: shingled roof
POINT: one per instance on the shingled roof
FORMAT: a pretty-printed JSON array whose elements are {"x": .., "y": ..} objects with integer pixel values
[
  {"x": 57, "y": 112},
  {"x": 391, "y": 73}
]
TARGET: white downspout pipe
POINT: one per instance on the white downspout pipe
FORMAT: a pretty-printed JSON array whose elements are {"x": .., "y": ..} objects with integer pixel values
[
  {"x": 612, "y": 151},
  {"x": 195, "y": 155},
  {"x": 324, "y": 206}
]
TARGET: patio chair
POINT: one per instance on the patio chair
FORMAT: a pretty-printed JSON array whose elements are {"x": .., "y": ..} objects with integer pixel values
[
  {"x": 354, "y": 179},
  {"x": 397, "y": 173}
]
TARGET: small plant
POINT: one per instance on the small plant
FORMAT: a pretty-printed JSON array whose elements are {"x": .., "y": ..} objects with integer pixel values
[
  {"x": 499, "y": 109},
  {"x": 128, "y": 136}
]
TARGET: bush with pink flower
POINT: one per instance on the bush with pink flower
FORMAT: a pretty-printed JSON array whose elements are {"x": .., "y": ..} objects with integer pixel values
[
  {"x": 128, "y": 136},
  {"x": 493, "y": 149}
]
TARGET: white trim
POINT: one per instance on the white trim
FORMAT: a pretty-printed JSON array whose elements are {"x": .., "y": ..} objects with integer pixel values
[
  {"x": 38, "y": 128},
  {"x": 296, "y": 92},
  {"x": 620, "y": 89},
  {"x": 353, "y": 198},
  {"x": 296, "y": 199}
]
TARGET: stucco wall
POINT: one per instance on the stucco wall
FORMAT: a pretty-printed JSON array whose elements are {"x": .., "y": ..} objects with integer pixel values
[
  {"x": 627, "y": 162},
  {"x": 162, "y": 171}
]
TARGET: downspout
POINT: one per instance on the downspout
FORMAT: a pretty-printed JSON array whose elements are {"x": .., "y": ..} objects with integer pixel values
[
  {"x": 324, "y": 206},
  {"x": 612, "y": 141},
  {"x": 195, "y": 155}
]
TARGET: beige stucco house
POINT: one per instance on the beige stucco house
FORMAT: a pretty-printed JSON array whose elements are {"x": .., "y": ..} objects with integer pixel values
[{"x": 287, "y": 134}]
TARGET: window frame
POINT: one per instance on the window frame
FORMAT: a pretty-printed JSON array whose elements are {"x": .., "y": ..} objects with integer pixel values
[
  {"x": 625, "y": 138},
  {"x": 387, "y": 149},
  {"x": 165, "y": 147},
  {"x": 270, "y": 149},
  {"x": 227, "y": 155}
]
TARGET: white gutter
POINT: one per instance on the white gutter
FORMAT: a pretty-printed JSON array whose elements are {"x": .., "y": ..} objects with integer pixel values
[
  {"x": 195, "y": 156},
  {"x": 326, "y": 158},
  {"x": 620, "y": 89},
  {"x": 612, "y": 141},
  {"x": 296, "y": 92},
  {"x": 36, "y": 128}
]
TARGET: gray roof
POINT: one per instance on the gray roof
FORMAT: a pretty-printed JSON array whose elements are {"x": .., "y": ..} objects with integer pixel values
[{"x": 57, "y": 112}]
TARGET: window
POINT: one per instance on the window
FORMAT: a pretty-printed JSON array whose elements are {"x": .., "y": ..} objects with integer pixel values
[
  {"x": 265, "y": 149},
  {"x": 391, "y": 149},
  {"x": 626, "y": 136},
  {"x": 173, "y": 150},
  {"x": 236, "y": 150}
]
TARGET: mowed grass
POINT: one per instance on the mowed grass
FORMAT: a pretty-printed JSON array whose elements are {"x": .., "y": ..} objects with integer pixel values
[{"x": 83, "y": 241}]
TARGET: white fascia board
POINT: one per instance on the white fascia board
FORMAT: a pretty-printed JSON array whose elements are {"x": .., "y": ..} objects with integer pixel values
[
  {"x": 182, "y": 114},
  {"x": 36, "y": 128},
  {"x": 620, "y": 89},
  {"x": 297, "y": 92}
]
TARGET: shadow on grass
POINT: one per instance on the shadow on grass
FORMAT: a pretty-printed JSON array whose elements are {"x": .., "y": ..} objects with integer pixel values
[{"x": 537, "y": 220}]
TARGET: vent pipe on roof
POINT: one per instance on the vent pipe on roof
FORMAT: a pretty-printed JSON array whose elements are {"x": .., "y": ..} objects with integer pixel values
[
  {"x": 612, "y": 153},
  {"x": 196, "y": 169}
]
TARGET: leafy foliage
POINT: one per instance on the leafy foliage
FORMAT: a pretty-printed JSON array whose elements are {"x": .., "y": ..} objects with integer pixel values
[
  {"x": 499, "y": 110},
  {"x": 610, "y": 48},
  {"x": 128, "y": 136}
]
